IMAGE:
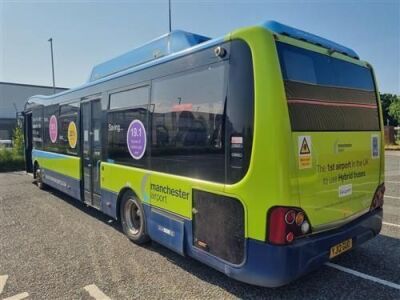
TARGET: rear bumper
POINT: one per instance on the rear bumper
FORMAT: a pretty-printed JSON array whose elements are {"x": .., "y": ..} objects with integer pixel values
[{"x": 272, "y": 266}]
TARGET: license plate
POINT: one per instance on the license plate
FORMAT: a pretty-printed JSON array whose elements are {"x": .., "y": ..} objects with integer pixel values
[{"x": 340, "y": 248}]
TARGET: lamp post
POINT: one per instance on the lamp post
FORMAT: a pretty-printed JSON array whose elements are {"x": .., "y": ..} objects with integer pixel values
[
  {"x": 169, "y": 10},
  {"x": 52, "y": 64}
]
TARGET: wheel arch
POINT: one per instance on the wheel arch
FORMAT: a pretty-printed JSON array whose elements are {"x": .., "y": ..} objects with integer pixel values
[{"x": 121, "y": 194}]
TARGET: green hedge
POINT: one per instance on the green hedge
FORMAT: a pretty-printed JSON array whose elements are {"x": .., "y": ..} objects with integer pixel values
[{"x": 11, "y": 161}]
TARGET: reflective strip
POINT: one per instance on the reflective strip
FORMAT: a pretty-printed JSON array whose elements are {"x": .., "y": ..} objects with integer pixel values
[{"x": 331, "y": 103}]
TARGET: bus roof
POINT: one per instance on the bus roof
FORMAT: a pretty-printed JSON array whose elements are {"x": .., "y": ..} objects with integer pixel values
[
  {"x": 176, "y": 44},
  {"x": 167, "y": 44},
  {"x": 298, "y": 34},
  {"x": 146, "y": 64}
]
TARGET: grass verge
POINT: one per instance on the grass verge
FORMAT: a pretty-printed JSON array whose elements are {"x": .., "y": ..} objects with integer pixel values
[{"x": 10, "y": 161}]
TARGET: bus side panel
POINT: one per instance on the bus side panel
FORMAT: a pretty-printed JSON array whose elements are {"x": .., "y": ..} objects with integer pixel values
[
  {"x": 60, "y": 171},
  {"x": 164, "y": 191},
  {"x": 169, "y": 208}
]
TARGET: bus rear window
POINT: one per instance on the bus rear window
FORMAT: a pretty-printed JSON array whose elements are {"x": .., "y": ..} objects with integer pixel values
[{"x": 326, "y": 93}]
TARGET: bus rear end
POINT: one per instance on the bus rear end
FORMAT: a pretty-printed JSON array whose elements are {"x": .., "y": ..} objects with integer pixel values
[
  {"x": 336, "y": 135},
  {"x": 334, "y": 114},
  {"x": 328, "y": 186}
]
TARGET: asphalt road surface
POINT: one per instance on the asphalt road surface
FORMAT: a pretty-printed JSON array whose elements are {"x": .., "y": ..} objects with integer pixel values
[{"x": 52, "y": 247}]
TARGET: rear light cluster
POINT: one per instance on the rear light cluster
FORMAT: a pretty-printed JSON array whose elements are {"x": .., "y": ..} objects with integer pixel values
[
  {"x": 285, "y": 224},
  {"x": 377, "y": 201}
]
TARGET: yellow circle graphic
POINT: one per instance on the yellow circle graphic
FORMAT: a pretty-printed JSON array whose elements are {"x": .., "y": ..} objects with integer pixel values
[{"x": 72, "y": 134}]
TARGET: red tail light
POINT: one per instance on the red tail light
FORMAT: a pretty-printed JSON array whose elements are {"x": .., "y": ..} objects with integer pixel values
[
  {"x": 377, "y": 201},
  {"x": 285, "y": 224}
]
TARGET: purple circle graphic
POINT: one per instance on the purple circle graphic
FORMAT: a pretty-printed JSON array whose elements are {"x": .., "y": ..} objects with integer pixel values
[
  {"x": 136, "y": 139},
  {"x": 53, "y": 128}
]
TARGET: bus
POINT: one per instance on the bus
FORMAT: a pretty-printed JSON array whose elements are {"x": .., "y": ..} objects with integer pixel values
[{"x": 258, "y": 153}]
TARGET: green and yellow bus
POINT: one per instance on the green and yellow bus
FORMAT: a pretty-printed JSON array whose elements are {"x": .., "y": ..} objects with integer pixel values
[{"x": 259, "y": 153}]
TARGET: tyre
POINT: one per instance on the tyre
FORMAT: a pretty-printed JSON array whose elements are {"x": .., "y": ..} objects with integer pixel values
[
  {"x": 38, "y": 177},
  {"x": 133, "y": 219}
]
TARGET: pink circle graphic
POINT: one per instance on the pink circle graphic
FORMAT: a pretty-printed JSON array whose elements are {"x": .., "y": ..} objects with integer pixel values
[{"x": 53, "y": 129}]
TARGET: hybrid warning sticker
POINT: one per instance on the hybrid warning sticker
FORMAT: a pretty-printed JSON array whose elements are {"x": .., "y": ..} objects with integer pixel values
[
  {"x": 375, "y": 146},
  {"x": 305, "y": 152}
]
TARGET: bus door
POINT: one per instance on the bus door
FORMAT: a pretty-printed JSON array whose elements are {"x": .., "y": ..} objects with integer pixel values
[{"x": 91, "y": 151}]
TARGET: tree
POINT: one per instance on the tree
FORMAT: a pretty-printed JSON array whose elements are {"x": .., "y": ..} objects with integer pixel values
[
  {"x": 387, "y": 100},
  {"x": 18, "y": 141},
  {"x": 394, "y": 110}
]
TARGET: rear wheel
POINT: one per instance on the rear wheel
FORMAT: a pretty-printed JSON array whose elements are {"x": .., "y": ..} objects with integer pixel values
[{"x": 133, "y": 219}]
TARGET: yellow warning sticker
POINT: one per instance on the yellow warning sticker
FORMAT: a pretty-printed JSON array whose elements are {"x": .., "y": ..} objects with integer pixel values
[
  {"x": 304, "y": 152},
  {"x": 72, "y": 135}
]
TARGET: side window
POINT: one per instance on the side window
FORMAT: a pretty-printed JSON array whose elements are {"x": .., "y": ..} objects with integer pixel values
[
  {"x": 68, "y": 123},
  {"x": 50, "y": 128},
  {"x": 187, "y": 123},
  {"x": 37, "y": 127},
  {"x": 129, "y": 98},
  {"x": 127, "y": 127}
]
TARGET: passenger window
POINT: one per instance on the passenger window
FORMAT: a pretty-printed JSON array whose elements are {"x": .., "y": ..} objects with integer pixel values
[
  {"x": 128, "y": 115},
  {"x": 118, "y": 126},
  {"x": 50, "y": 128},
  {"x": 187, "y": 123},
  {"x": 68, "y": 122}
]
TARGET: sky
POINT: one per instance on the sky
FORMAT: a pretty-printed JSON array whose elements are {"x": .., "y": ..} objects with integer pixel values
[{"x": 86, "y": 33}]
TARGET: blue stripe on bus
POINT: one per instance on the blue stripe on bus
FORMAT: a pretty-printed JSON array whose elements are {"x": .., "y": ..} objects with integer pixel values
[
  {"x": 166, "y": 229},
  {"x": 66, "y": 184},
  {"x": 108, "y": 203},
  {"x": 45, "y": 154}
]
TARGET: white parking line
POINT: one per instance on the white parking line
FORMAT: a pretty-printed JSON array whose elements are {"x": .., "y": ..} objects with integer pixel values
[
  {"x": 391, "y": 224},
  {"x": 392, "y": 197},
  {"x": 364, "y": 276},
  {"x": 3, "y": 281},
  {"x": 96, "y": 293},
  {"x": 390, "y": 181},
  {"x": 18, "y": 296}
]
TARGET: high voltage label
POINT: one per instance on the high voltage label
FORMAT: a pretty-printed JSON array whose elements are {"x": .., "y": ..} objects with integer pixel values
[{"x": 304, "y": 151}]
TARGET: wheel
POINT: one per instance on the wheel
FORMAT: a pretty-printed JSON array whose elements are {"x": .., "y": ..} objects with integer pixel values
[
  {"x": 39, "y": 179},
  {"x": 133, "y": 219}
]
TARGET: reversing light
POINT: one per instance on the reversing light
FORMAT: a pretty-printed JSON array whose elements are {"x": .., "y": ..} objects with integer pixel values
[{"x": 305, "y": 227}]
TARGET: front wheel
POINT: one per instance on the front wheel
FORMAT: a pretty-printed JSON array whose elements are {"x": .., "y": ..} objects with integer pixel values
[
  {"x": 39, "y": 179},
  {"x": 133, "y": 219}
]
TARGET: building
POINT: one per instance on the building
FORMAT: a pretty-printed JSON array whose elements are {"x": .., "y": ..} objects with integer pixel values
[{"x": 12, "y": 100}]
